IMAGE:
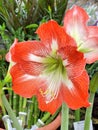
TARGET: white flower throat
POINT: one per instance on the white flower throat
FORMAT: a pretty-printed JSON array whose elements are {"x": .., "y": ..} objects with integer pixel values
[{"x": 55, "y": 73}]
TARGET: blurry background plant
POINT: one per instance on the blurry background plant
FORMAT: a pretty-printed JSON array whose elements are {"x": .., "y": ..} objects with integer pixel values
[{"x": 20, "y": 13}]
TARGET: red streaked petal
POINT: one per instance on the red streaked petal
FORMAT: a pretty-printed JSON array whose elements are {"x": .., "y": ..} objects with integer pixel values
[
  {"x": 51, "y": 32},
  {"x": 30, "y": 54},
  {"x": 75, "y": 98},
  {"x": 32, "y": 68},
  {"x": 28, "y": 49},
  {"x": 92, "y": 44},
  {"x": 74, "y": 61},
  {"x": 23, "y": 84},
  {"x": 76, "y": 64},
  {"x": 78, "y": 96},
  {"x": 75, "y": 22},
  {"x": 51, "y": 106}
]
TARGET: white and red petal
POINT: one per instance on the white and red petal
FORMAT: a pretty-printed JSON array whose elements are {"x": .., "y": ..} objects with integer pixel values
[
  {"x": 73, "y": 61},
  {"x": 26, "y": 84},
  {"x": 9, "y": 54},
  {"x": 23, "y": 83},
  {"x": 92, "y": 55},
  {"x": 29, "y": 51},
  {"x": 77, "y": 96},
  {"x": 51, "y": 106},
  {"x": 30, "y": 55},
  {"x": 75, "y": 21},
  {"x": 85, "y": 36},
  {"x": 74, "y": 93},
  {"x": 52, "y": 35},
  {"x": 32, "y": 68}
]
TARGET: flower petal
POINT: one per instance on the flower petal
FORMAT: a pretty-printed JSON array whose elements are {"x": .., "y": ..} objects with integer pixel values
[
  {"x": 32, "y": 68},
  {"x": 9, "y": 55},
  {"x": 85, "y": 36},
  {"x": 52, "y": 35},
  {"x": 74, "y": 60},
  {"x": 75, "y": 23},
  {"x": 29, "y": 51},
  {"x": 30, "y": 55},
  {"x": 75, "y": 98},
  {"x": 51, "y": 106},
  {"x": 23, "y": 84},
  {"x": 91, "y": 56}
]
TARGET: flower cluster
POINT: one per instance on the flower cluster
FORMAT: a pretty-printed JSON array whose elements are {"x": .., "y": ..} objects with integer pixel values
[{"x": 53, "y": 68}]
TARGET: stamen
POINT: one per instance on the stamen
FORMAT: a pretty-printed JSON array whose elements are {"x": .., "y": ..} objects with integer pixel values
[{"x": 44, "y": 93}]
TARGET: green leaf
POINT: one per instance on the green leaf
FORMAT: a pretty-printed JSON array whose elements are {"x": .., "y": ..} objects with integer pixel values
[
  {"x": 32, "y": 26},
  {"x": 94, "y": 83},
  {"x": 54, "y": 7}
]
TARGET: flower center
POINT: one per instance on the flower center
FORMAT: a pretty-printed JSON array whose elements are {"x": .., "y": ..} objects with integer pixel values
[
  {"x": 82, "y": 48},
  {"x": 54, "y": 73},
  {"x": 53, "y": 63}
]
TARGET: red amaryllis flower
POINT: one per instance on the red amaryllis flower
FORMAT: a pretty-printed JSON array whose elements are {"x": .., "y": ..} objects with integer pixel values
[
  {"x": 86, "y": 37},
  {"x": 51, "y": 68}
]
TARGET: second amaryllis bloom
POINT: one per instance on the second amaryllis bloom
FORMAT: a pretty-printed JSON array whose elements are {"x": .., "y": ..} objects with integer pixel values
[
  {"x": 51, "y": 69},
  {"x": 86, "y": 37}
]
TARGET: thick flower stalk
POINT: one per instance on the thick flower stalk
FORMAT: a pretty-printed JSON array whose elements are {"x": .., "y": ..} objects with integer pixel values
[
  {"x": 86, "y": 37},
  {"x": 52, "y": 69}
]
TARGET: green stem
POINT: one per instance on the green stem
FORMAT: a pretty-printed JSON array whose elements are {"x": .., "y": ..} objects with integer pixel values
[
  {"x": 77, "y": 115},
  {"x": 20, "y": 103},
  {"x": 53, "y": 116},
  {"x": 3, "y": 110},
  {"x": 10, "y": 97},
  {"x": 44, "y": 118},
  {"x": 24, "y": 104},
  {"x": 65, "y": 117},
  {"x": 22, "y": 117},
  {"x": 22, "y": 113},
  {"x": 36, "y": 110},
  {"x": 11, "y": 113},
  {"x": 15, "y": 105},
  {"x": 30, "y": 118},
  {"x": 89, "y": 112},
  {"x": 1, "y": 103}
]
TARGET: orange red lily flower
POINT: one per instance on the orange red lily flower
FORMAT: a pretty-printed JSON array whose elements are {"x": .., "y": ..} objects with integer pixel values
[
  {"x": 86, "y": 37},
  {"x": 53, "y": 68}
]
